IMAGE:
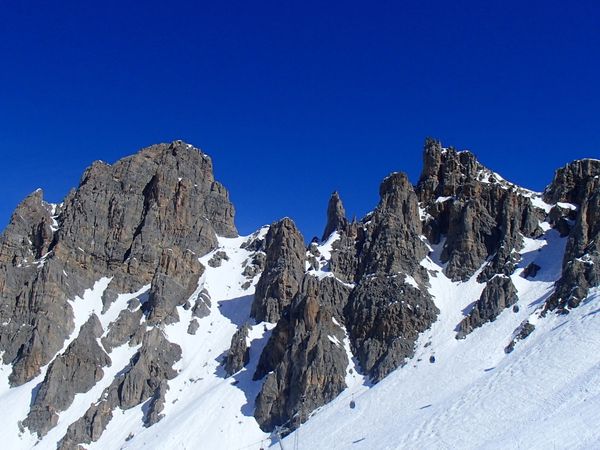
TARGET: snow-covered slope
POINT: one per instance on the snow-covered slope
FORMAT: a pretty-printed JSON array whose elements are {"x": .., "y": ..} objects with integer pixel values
[
  {"x": 453, "y": 394},
  {"x": 471, "y": 394},
  {"x": 175, "y": 363},
  {"x": 203, "y": 408}
]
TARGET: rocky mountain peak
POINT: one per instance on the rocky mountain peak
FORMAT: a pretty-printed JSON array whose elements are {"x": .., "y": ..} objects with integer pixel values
[
  {"x": 336, "y": 215},
  {"x": 141, "y": 266},
  {"x": 573, "y": 182},
  {"x": 139, "y": 221},
  {"x": 283, "y": 273},
  {"x": 446, "y": 171}
]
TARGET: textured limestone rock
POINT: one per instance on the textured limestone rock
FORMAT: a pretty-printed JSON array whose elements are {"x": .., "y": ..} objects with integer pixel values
[
  {"x": 89, "y": 427},
  {"x": 145, "y": 379},
  {"x": 498, "y": 294},
  {"x": 218, "y": 259},
  {"x": 146, "y": 219},
  {"x": 304, "y": 362},
  {"x": 481, "y": 215},
  {"x": 336, "y": 216},
  {"x": 239, "y": 352},
  {"x": 524, "y": 330},
  {"x": 392, "y": 243},
  {"x": 122, "y": 330},
  {"x": 157, "y": 404},
  {"x": 385, "y": 316},
  {"x": 175, "y": 280},
  {"x": 346, "y": 250},
  {"x": 202, "y": 305},
  {"x": 571, "y": 182},
  {"x": 77, "y": 370},
  {"x": 120, "y": 221},
  {"x": 578, "y": 183},
  {"x": 193, "y": 327},
  {"x": 284, "y": 269}
]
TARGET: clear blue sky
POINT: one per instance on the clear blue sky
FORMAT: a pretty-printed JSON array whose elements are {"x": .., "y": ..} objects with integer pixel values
[{"x": 295, "y": 99}]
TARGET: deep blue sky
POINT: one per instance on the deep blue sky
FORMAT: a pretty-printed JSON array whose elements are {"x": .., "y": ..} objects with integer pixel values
[{"x": 295, "y": 99}]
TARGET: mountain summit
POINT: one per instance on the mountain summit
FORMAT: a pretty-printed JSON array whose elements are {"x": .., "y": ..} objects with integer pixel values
[{"x": 134, "y": 315}]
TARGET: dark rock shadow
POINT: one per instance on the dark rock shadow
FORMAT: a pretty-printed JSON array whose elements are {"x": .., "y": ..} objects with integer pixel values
[
  {"x": 551, "y": 262},
  {"x": 243, "y": 379},
  {"x": 34, "y": 393},
  {"x": 542, "y": 299},
  {"x": 237, "y": 310},
  {"x": 465, "y": 312}
]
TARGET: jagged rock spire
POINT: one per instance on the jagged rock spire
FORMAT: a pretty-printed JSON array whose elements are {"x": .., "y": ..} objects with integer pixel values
[
  {"x": 336, "y": 215},
  {"x": 284, "y": 269}
]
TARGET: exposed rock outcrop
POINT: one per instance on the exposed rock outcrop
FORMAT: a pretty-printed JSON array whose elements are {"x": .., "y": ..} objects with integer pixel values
[
  {"x": 174, "y": 281},
  {"x": 121, "y": 221},
  {"x": 124, "y": 329},
  {"x": 481, "y": 215},
  {"x": 239, "y": 352},
  {"x": 304, "y": 361},
  {"x": 577, "y": 185},
  {"x": 336, "y": 215},
  {"x": 284, "y": 269},
  {"x": 77, "y": 370},
  {"x": 498, "y": 294},
  {"x": 385, "y": 312},
  {"x": 386, "y": 316},
  {"x": 144, "y": 380},
  {"x": 146, "y": 220}
]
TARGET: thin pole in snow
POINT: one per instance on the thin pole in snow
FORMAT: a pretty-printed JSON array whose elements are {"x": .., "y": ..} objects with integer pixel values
[{"x": 278, "y": 434}]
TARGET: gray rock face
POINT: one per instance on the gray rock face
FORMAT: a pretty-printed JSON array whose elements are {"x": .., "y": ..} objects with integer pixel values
[
  {"x": 498, "y": 294},
  {"x": 32, "y": 324},
  {"x": 284, "y": 270},
  {"x": 578, "y": 183},
  {"x": 175, "y": 280},
  {"x": 386, "y": 316},
  {"x": 346, "y": 250},
  {"x": 385, "y": 313},
  {"x": 523, "y": 332},
  {"x": 239, "y": 353},
  {"x": 392, "y": 243},
  {"x": 304, "y": 362},
  {"x": 120, "y": 221},
  {"x": 144, "y": 220},
  {"x": 193, "y": 327},
  {"x": 571, "y": 182},
  {"x": 123, "y": 329},
  {"x": 218, "y": 259},
  {"x": 77, "y": 370},
  {"x": 336, "y": 215},
  {"x": 145, "y": 379},
  {"x": 481, "y": 215},
  {"x": 202, "y": 305}
]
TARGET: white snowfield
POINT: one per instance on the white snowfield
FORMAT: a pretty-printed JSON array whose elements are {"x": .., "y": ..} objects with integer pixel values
[{"x": 543, "y": 395}]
